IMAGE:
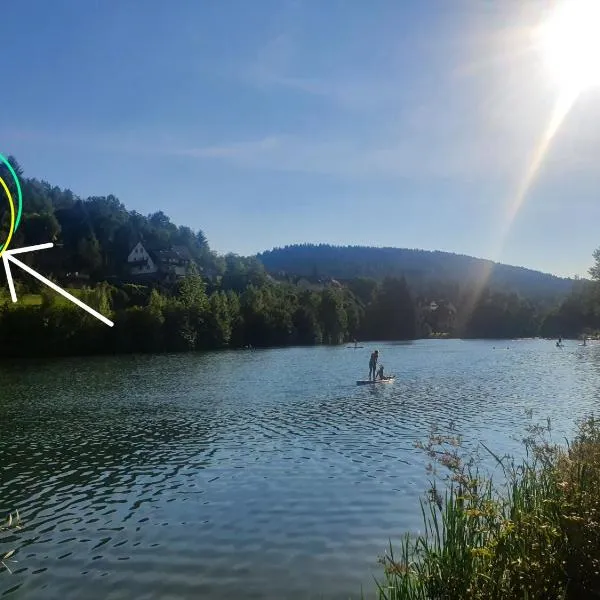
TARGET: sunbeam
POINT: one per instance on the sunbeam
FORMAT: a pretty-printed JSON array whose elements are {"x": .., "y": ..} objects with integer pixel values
[
  {"x": 561, "y": 109},
  {"x": 569, "y": 42}
]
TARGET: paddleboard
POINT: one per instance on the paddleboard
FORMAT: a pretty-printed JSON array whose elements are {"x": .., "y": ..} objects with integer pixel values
[
  {"x": 354, "y": 347},
  {"x": 367, "y": 382}
]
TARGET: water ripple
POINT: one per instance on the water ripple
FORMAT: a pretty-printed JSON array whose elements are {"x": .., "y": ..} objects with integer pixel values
[{"x": 185, "y": 476}]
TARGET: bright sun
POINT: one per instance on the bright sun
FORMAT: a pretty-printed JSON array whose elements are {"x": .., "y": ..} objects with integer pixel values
[{"x": 570, "y": 45}]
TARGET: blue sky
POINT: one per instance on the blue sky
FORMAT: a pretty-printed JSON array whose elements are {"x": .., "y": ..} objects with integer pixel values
[{"x": 386, "y": 123}]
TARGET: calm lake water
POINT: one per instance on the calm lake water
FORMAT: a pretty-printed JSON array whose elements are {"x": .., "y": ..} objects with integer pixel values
[{"x": 251, "y": 474}]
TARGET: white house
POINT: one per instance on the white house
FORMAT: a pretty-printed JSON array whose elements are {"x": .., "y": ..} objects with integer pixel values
[
  {"x": 173, "y": 262},
  {"x": 140, "y": 261}
]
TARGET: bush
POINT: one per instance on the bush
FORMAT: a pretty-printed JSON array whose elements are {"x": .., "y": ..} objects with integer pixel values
[{"x": 535, "y": 537}]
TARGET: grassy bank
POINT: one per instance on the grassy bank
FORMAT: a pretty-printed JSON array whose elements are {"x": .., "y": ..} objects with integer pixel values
[{"x": 534, "y": 536}]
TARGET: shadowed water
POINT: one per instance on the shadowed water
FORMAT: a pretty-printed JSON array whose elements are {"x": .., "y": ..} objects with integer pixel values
[{"x": 265, "y": 474}]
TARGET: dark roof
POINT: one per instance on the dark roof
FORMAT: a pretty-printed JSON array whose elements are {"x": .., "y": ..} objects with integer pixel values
[
  {"x": 168, "y": 254},
  {"x": 173, "y": 253},
  {"x": 182, "y": 251}
]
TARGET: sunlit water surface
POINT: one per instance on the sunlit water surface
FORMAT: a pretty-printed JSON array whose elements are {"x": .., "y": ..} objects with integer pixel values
[{"x": 251, "y": 474}]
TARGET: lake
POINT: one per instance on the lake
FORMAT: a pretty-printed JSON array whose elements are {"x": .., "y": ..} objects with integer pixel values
[{"x": 250, "y": 474}]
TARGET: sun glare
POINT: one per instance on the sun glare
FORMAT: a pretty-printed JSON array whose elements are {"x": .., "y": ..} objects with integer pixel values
[{"x": 570, "y": 45}]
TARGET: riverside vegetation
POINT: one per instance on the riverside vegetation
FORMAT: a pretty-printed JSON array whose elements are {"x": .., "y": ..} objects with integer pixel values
[
  {"x": 535, "y": 536},
  {"x": 13, "y": 523},
  {"x": 232, "y": 301}
]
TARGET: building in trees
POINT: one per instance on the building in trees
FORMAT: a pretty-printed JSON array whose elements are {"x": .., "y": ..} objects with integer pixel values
[
  {"x": 440, "y": 316},
  {"x": 165, "y": 263}
]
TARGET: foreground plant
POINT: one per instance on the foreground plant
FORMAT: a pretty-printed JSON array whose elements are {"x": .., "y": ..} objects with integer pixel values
[
  {"x": 536, "y": 536},
  {"x": 12, "y": 522}
]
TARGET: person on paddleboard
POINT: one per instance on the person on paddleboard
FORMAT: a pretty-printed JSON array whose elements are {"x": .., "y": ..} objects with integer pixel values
[
  {"x": 373, "y": 365},
  {"x": 380, "y": 372}
]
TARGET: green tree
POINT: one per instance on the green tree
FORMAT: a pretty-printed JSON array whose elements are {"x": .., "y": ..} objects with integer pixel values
[
  {"x": 237, "y": 321},
  {"x": 139, "y": 329},
  {"x": 594, "y": 270},
  {"x": 306, "y": 319},
  {"x": 39, "y": 228},
  {"x": 88, "y": 258},
  {"x": 192, "y": 290},
  {"x": 392, "y": 314},
  {"x": 181, "y": 327},
  {"x": 107, "y": 215},
  {"x": 254, "y": 315},
  {"x": 218, "y": 327},
  {"x": 333, "y": 318}
]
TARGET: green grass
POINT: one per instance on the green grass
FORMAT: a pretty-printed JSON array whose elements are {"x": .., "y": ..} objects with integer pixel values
[
  {"x": 31, "y": 299},
  {"x": 38, "y": 300},
  {"x": 57, "y": 299},
  {"x": 535, "y": 537}
]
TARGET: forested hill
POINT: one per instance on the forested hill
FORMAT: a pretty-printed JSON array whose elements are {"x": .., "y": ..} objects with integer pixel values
[
  {"x": 92, "y": 236},
  {"x": 230, "y": 301},
  {"x": 348, "y": 262}
]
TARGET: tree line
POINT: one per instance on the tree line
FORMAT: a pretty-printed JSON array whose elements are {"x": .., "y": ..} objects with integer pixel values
[
  {"x": 192, "y": 316},
  {"x": 231, "y": 301}
]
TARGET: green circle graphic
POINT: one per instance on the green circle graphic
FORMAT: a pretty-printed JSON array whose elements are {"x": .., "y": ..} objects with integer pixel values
[{"x": 19, "y": 193}]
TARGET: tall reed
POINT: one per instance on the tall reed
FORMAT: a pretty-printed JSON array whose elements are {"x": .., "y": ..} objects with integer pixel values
[
  {"x": 12, "y": 522},
  {"x": 534, "y": 536}
]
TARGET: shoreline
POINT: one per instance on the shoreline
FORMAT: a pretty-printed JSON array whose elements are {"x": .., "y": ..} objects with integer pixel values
[{"x": 365, "y": 346}]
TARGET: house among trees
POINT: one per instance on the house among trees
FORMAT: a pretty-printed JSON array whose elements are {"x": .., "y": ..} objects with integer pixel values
[
  {"x": 439, "y": 316},
  {"x": 166, "y": 263}
]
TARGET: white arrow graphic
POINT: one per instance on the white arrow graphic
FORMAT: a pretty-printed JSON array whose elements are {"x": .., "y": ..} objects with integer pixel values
[{"x": 8, "y": 257}]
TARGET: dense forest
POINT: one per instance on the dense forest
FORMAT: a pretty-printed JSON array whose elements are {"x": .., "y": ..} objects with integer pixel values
[
  {"x": 232, "y": 301},
  {"x": 420, "y": 267}
]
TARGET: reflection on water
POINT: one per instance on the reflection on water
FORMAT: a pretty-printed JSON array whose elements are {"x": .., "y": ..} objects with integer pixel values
[{"x": 264, "y": 474}]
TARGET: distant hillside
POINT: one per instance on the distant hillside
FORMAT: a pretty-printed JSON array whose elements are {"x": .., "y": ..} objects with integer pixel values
[{"x": 418, "y": 266}]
